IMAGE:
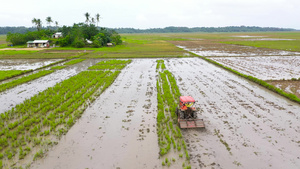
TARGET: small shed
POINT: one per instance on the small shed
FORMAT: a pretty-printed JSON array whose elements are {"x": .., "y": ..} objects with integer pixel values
[
  {"x": 57, "y": 35},
  {"x": 38, "y": 44},
  {"x": 110, "y": 44}
]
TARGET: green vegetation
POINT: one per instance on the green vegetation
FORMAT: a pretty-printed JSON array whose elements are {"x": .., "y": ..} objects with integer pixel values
[
  {"x": 58, "y": 67},
  {"x": 169, "y": 134},
  {"x": 110, "y": 65},
  {"x": 24, "y": 79},
  {"x": 6, "y": 74},
  {"x": 40, "y": 121},
  {"x": 72, "y": 62}
]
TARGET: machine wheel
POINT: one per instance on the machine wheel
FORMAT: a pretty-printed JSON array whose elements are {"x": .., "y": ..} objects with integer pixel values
[
  {"x": 194, "y": 115},
  {"x": 181, "y": 115}
]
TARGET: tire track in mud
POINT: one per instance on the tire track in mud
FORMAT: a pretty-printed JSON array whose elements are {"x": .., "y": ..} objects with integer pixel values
[
  {"x": 247, "y": 126},
  {"x": 118, "y": 130},
  {"x": 11, "y": 97}
]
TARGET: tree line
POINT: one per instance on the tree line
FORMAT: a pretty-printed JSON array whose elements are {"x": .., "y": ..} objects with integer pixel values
[
  {"x": 85, "y": 34},
  {"x": 172, "y": 29}
]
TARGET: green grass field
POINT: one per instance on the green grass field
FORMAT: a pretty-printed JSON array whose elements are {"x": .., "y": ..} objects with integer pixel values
[{"x": 158, "y": 46}]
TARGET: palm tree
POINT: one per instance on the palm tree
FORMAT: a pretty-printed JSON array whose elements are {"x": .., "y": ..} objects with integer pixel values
[
  {"x": 93, "y": 20},
  {"x": 87, "y": 15},
  {"x": 34, "y": 21},
  {"x": 38, "y": 24},
  {"x": 56, "y": 23},
  {"x": 97, "y": 18},
  {"x": 49, "y": 20}
]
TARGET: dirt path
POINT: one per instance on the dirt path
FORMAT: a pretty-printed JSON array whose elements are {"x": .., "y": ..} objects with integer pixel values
[
  {"x": 10, "y": 98},
  {"x": 246, "y": 126},
  {"x": 118, "y": 130}
]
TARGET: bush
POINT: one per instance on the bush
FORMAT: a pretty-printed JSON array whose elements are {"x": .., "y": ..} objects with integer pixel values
[{"x": 78, "y": 43}]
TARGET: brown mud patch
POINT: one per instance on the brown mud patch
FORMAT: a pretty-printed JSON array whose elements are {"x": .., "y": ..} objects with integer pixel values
[
  {"x": 118, "y": 130},
  {"x": 247, "y": 126},
  {"x": 289, "y": 86},
  {"x": 211, "y": 48}
]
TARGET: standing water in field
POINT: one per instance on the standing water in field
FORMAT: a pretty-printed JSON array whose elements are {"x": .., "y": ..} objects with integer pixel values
[
  {"x": 118, "y": 130},
  {"x": 25, "y": 64},
  {"x": 247, "y": 126},
  {"x": 11, "y": 97}
]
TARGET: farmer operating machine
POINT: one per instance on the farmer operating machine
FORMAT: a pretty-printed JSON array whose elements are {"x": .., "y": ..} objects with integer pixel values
[{"x": 187, "y": 114}]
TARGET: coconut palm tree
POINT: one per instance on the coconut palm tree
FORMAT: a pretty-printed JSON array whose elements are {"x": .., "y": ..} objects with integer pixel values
[
  {"x": 97, "y": 18},
  {"x": 93, "y": 20},
  {"x": 49, "y": 20},
  {"x": 56, "y": 24},
  {"x": 38, "y": 24},
  {"x": 87, "y": 16}
]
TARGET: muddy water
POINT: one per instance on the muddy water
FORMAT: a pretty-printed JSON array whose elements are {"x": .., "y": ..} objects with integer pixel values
[
  {"x": 24, "y": 64},
  {"x": 246, "y": 126},
  {"x": 11, "y": 97},
  {"x": 212, "y": 49},
  {"x": 117, "y": 130},
  {"x": 265, "y": 68}
]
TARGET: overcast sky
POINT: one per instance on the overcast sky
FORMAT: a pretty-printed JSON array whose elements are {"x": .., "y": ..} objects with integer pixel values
[{"x": 155, "y": 13}]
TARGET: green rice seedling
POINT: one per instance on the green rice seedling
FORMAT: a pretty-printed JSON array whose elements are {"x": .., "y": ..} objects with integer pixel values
[
  {"x": 38, "y": 155},
  {"x": 6, "y": 74},
  {"x": 58, "y": 67},
  {"x": 163, "y": 163},
  {"x": 72, "y": 62},
  {"x": 24, "y": 79},
  {"x": 180, "y": 155},
  {"x": 166, "y": 160}
]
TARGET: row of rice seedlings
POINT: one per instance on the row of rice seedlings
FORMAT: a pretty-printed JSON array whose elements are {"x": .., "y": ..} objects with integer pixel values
[
  {"x": 160, "y": 66},
  {"x": 57, "y": 67},
  {"x": 30, "y": 126},
  {"x": 169, "y": 134},
  {"x": 110, "y": 65},
  {"x": 24, "y": 79},
  {"x": 7, "y": 74},
  {"x": 72, "y": 62},
  {"x": 114, "y": 62}
]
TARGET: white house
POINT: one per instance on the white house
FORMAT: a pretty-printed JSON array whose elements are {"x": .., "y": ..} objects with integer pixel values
[
  {"x": 57, "y": 35},
  {"x": 38, "y": 44}
]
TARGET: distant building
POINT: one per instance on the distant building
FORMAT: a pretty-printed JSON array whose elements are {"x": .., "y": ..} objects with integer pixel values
[
  {"x": 110, "y": 44},
  {"x": 57, "y": 35},
  {"x": 38, "y": 44}
]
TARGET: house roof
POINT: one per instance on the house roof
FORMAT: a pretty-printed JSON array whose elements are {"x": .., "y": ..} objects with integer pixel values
[
  {"x": 40, "y": 41},
  {"x": 58, "y": 33},
  {"x": 30, "y": 42}
]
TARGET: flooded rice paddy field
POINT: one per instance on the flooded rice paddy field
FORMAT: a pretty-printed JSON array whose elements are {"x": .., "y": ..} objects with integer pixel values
[
  {"x": 246, "y": 126},
  {"x": 213, "y": 49},
  {"x": 118, "y": 129},
  {"x": 11, "y": 97},
  {"x": 289, "y": 86},
  {"x": 25, "y": 64},
  {"x": 265, "y": 68}
]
